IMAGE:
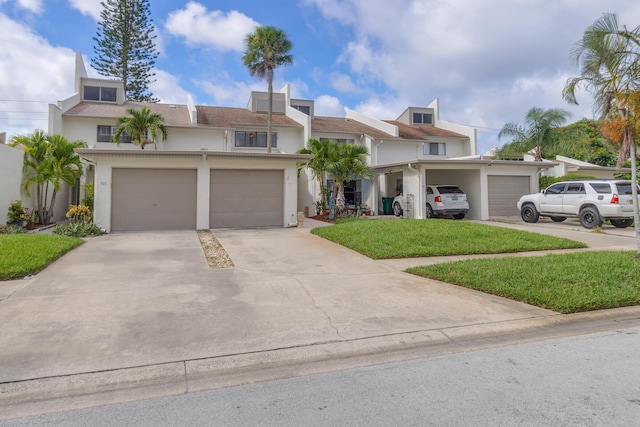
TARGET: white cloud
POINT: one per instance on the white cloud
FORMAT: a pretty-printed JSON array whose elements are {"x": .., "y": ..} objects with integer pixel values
[
  {"x": 227, "y": 92},
  {"x": 213, "y": 29},
  {"x": 33, "y": 72},
  {"x": 34, "y": 6},
  {"x": 167, "y": 88},
  {"x": 330, "y": 106},
  {"x": 91, "y": 8}
]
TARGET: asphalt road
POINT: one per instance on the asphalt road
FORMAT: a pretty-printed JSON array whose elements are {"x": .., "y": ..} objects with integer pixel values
[{"x": 585, "y": 380}]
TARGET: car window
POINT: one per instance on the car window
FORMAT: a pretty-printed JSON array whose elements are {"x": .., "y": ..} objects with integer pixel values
[
  {"x": 429, "y": 190},
  {"x": 624, "y": 189},
  {"x": 555, "y": 188},
  {"x": 575, "y": 188},
  {"x": 449, "y": 189},
  {"x": 601, "y": 187}
]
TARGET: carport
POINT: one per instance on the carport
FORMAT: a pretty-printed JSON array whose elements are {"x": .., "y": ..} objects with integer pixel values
[{"x": 492, "y": 186}]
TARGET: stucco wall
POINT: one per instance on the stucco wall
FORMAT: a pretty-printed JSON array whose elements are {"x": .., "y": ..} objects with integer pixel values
[{"x": 10, "y": 177}]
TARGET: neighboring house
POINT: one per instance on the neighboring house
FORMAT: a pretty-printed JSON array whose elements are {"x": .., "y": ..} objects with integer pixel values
[
  {"x": 214, "y": 171},
  {"x": 567, "y": 165}
]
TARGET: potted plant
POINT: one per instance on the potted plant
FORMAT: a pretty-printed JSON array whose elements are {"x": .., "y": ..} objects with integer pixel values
[
  {"x": 319, "y": 206},
  {"x": 17, "y": 213},
  {"x": 365, "y": 210}
]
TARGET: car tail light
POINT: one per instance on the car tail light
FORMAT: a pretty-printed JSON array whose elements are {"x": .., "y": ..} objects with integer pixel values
[
  {"x": 437, "y": 199},
  {"x": 615, "y": 199}
]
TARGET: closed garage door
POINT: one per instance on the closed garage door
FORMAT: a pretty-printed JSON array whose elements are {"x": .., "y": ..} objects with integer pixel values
[
  {"x": 153, "y": 199},
  {"x": 504, "y": 192},
  {"x": 246, "y": 198}
]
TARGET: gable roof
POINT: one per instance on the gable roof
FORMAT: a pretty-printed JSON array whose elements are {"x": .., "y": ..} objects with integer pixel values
[
  {"x": 346, "y": 125},
  {"x": 229, "y": 117},
  {"x": 421, "y": 131},
  {"x": 174, "y": 115}
]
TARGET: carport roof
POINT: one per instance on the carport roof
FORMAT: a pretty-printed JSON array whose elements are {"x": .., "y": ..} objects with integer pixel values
[{"x": 463, "y": 162}]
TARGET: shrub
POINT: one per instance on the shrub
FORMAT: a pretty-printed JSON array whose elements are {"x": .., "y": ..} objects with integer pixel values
[
  {"x": 17, "y": 213},
  {"x": 87, "y": 200},
  {"x": 79, "y": 213},
  {"x": 11, "y": 229},
  {"x": 78, "y": 229},
  {"x": 546, "y": 181}
]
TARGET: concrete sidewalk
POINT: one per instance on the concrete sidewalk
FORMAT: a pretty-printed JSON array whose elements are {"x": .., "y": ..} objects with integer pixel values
[{"x": 135, "y": 315}]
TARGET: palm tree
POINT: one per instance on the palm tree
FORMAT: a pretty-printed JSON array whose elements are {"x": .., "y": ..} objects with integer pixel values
[
  {"x": 347, "y": 162},
  {"x": 142, "y": 126},
  {"x": 267, "y": 48},
  {"x": 609, "y": 58},
  {"x": 538, "y": 133},
  {"x": 49, "y": 160},
  {"x": 322, "y": 152}
]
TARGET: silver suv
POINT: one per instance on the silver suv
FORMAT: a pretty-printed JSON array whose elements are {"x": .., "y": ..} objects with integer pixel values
[{"x": 591, "y": 201}]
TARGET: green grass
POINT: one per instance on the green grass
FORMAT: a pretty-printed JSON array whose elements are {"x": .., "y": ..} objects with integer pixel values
[
  {"x": 380, "y": 239},
  {"x": 23, "y": 254},
  {"x": 566, "y": 283}
]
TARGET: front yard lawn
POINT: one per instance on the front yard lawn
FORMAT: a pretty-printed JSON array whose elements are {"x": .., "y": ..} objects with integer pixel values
[
  {"x": 24, "y": 254},
  {"x": 566, "y": 283},
  {"x": 410, "y": 238}
]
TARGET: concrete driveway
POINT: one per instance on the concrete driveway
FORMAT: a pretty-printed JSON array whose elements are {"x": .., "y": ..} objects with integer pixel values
[{"x": 132, "y": 300}]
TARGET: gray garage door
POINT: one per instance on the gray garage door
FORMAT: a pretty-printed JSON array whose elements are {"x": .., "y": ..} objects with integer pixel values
[
  {"x": 504, "y": 192},
  {"x": 153, "y": 199},
  {"x": 246, "y": 198}
]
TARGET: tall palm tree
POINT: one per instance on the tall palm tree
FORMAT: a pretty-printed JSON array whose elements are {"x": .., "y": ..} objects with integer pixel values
[
  {"x": 609, "y": 58},
  {"x": 347, "y": 162},
  {"x": 49, "y": 160},
  {"x": 538, "y": 133},
  {"x": 142, "y": 126},
  {"x": 322, "y": 152},
  {"x": 267, "y": 48}
]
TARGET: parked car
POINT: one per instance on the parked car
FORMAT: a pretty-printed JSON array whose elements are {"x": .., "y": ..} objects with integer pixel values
[
  {"x": 591, "y": 201},
  {"x": 441, "y": 200}
]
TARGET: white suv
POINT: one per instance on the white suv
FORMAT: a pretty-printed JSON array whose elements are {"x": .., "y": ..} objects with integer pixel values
[
  {"x": 591, "y": 201},
  {"x": 441, "y": 200}
]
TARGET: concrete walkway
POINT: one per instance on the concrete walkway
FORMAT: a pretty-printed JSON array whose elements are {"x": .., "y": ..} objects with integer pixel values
[{"x": 135, "y": 315}]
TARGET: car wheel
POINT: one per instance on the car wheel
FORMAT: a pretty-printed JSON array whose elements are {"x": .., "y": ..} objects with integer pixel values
[
  {"x": 397, "y": 209},
  {"x": 621, "y": 223},
  {"x": 590, "y": 217},
  {"x": 459, "y": 216},
  {"x": 429, "y": 211},
  {"x": 558, "y": 218},
  {"x": 529, "y": 213}
]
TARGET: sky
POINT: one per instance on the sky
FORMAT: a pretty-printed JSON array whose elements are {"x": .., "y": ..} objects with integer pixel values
[{"x": 487, "y": 61}]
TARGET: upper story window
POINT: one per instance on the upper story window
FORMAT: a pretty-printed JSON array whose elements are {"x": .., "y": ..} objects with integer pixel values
[
  {"x": 422, "y": 118},
  {"x": 303, "y": 108},
  {"x": 434, "y": 149},
  {"x": 98, "y": 93},
  {"x": 105, "y": 134},
  {"x": 255, "y": 139}
]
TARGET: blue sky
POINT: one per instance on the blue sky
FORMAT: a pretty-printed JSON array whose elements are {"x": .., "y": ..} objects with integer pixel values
[{"x": 487, "y": 61}]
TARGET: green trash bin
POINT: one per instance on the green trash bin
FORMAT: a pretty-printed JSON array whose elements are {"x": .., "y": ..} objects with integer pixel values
[{"x": 387, "y": 205}]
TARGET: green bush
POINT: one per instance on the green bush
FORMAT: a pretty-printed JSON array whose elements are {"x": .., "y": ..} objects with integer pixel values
[
  {"x": 87, "y": 200},
  {"x": 12, "y": 229},
  {"x": 78, "y": 229}
]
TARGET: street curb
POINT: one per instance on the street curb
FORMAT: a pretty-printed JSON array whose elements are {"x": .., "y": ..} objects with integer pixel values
[{"x": 53, "y": 394}]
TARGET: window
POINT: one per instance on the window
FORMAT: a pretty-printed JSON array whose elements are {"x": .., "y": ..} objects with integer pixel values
[
  {"x": 105, "y": 134},
  {"x": 255, "y": 139},
  {"x": 303, "y": 108},
  {"x": 575, "y": 188},
  {"x": 422, "y": 118},
  {"x": 352, "y": 192},
  {"x": 601, "y": 188},
  {"x": 555, "y": 189},
  {"x": 96, "y": 93},
  {"x": 434, "y": 149}
]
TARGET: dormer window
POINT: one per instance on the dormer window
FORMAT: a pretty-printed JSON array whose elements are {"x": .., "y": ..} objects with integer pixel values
[
  {"x": 422, "y": 118},
  {"x": 98, "y": 93}
]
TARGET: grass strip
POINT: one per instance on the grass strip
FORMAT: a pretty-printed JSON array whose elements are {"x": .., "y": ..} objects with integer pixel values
[
  {"x": 566, "y": 283},
  {"x": 24, "y": 254},
  {"x": 382, "y": 239}
]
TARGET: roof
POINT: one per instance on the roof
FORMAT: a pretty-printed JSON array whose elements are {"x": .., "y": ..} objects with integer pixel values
[
  {"x": 346, "y": 125},
  {"x": 175, "y": 115},
  {"x": 229, "y": 117},
  {"x": 422, "y": 131}
]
